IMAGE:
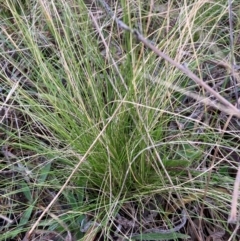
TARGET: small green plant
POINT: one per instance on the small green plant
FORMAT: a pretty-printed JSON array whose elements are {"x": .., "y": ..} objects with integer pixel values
[{"x": 95, "y": 128}]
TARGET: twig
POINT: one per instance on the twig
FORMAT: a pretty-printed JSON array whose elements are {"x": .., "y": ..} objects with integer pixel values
[
  {"x": 233, "y": 214},
  {"x": 232, "y": 59},
  {"x": 232, "y": 109},
  {"x": 10, "y": 221}
]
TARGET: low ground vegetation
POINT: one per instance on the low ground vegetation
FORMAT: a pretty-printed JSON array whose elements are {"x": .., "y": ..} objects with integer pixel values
[{"x": 102, "y": 139}]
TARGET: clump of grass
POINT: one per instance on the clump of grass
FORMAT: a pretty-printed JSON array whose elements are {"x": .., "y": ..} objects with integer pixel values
[{"x": 92, "y": 116}]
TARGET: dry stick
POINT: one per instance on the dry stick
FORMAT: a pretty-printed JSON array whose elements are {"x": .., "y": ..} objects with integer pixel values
[
  {"x": 233, "y": 214},
  {"x": 232, "y": 109},
  {"x": 188, "y": 72},
  {"x": 232, "y": 59}
]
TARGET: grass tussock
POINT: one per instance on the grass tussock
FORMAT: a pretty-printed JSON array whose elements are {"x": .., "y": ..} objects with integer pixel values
[{"x": 103, "y": 140}]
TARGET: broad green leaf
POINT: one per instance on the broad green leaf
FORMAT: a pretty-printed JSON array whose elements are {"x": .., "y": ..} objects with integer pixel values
[
  {"x": 26, "y": 191},
  {"x": 44, "y": 171},
  {"x": 160, "y": 236},
  {"x": 26, "y": 215},
  {"x": 189, "y": 152},
  {"x": 176, "y": 163}
]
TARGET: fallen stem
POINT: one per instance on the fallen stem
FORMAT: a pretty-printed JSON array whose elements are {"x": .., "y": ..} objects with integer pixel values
[{"x": 232, "y": 110}]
